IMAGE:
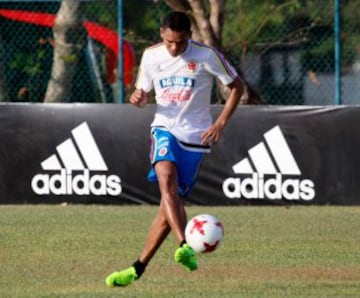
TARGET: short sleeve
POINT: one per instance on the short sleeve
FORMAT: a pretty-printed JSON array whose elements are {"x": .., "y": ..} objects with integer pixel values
[
  {"x": 143, "y": 79},
  {"x": 218, "y": 66}
]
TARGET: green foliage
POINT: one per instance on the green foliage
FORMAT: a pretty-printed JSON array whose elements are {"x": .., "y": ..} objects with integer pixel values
[
  {"x": 142, "y": 25},
  {"x": 26, "y": 62},
  {"x": 248, "y": 23},
  {"x": 258, "y": 25},
  {"x": 253, "y": 27},
  {"x": 104, "y": 12}
]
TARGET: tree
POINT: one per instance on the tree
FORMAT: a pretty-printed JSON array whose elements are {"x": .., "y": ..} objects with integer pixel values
[
  {"x": 207, "y": 27},
  {"x": 70, "y": 39}
]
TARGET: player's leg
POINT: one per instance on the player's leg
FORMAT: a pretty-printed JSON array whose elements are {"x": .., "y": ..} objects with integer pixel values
[
  {"x": 175, "y": 213},
  {"x": 171, "y": 203},
  {"x": 171, "y": 214},
  {"x": 171, "y": 209},
  {"x": 158, "y": 231}
]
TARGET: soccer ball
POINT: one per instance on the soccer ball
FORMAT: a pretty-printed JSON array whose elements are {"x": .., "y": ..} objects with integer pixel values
[{"x": 204, "y": 233}]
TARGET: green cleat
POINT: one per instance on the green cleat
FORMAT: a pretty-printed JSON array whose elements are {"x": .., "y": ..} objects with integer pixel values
[
  {"x": 185, "y": 255},
  {"x": 121, "y": 278}
]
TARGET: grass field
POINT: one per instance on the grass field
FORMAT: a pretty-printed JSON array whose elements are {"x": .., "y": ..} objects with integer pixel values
[{"x": 67, "y": 251}]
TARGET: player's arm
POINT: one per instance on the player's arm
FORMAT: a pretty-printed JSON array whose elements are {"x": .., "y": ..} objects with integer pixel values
[
  {"x": 139, "y": 98},
  {"x": 143, "y": 84},
  {"x": 215, "y": 131}
]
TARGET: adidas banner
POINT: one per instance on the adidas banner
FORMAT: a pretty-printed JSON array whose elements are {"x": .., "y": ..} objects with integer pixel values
[{"x": 98, "y": 153}]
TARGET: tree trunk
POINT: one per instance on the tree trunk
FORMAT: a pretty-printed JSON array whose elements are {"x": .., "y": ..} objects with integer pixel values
[
  {"x": 70, "y": 40},
  {"x": 203, "y": 23},
  {"x": 4, "y": 96},
  {"x": 216, "y": 18}
]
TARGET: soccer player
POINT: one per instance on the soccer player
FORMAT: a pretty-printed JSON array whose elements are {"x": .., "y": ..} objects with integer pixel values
[{"x": 182, "y": 72}]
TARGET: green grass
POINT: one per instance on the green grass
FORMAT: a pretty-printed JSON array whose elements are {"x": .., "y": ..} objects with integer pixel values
[{"x": 67, "y": 251}]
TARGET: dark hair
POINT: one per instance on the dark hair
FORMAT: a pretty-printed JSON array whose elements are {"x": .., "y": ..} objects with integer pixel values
[{"x": 177, "y": 21}]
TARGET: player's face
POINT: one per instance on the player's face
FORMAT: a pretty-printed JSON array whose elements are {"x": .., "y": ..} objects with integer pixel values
[{"x": 175, "y": 42}]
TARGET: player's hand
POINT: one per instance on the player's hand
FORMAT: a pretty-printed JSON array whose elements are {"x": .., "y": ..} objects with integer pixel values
[
  {"x": 139, "y": 98},
  {"x": 212, "y": 135}
]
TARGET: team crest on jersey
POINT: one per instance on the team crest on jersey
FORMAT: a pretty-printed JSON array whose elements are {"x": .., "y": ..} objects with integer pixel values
[
  {"x": 163, "y": 151},
  {"x": 192, "y": 65}
]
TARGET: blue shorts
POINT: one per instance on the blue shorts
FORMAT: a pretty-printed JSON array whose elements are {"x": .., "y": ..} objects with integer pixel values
[{"x": 164, "y": 146}]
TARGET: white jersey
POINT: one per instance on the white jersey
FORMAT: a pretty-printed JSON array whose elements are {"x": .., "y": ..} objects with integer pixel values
[{"x": 183, "y": 86}]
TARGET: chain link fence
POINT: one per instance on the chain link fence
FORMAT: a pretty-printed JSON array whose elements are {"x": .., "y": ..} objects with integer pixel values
[
  {"x": 27, "y": 43},
  {"x": 290, "y": 56},
  {"x": 285, "y": 49}
]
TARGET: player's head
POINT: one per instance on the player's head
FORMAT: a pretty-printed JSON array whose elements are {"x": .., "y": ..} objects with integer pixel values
[
  {"x": 177, "y": 21},
  {"x": 175, "y": 32}
]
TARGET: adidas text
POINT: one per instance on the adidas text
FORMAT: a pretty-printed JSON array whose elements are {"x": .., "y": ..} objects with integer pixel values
[
  {"x": 80, "y": 184},
  {"x": 256, "y": 187}
]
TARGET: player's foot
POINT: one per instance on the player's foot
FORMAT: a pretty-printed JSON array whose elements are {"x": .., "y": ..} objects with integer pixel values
[
  {"x": 121, "y": 278},
  {"x": 185, "y": 255}
]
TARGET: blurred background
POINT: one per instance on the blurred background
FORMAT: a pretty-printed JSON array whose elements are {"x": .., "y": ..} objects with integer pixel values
[{"x": 291, "y": 52}]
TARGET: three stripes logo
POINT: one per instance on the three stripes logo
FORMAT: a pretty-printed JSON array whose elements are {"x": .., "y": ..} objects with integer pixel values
[
  {"x": 70, "y": 168},
  {"x": 271, "y": 173}
]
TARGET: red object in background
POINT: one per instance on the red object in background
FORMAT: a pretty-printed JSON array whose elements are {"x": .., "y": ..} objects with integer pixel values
[{"x": 102, "y": 34}]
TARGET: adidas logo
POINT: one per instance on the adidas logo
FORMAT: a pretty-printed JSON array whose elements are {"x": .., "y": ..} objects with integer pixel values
[
  {"x": 268, "y": 165},
  {"x": 74, "y": 160}
]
